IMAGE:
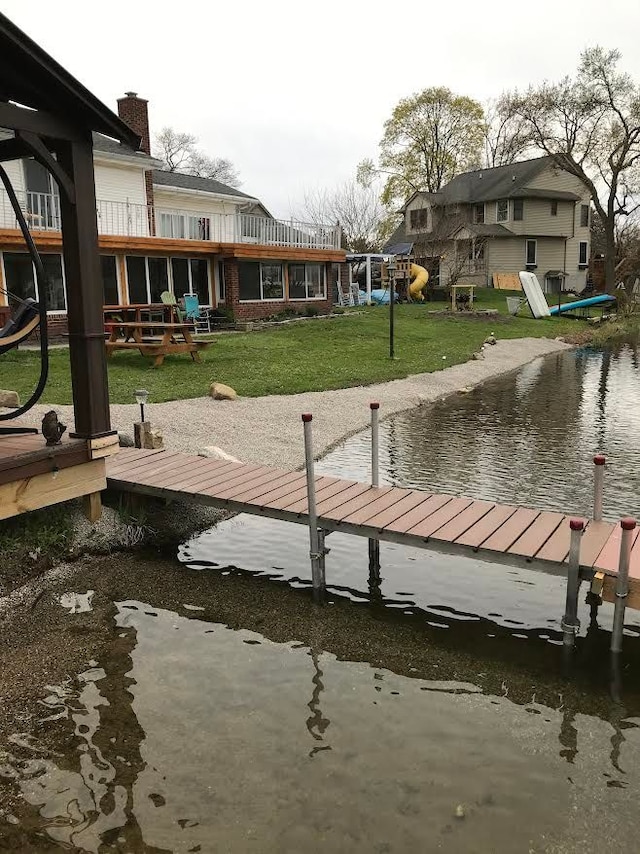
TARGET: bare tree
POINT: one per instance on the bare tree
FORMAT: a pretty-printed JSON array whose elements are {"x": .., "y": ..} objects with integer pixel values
[
  {"x": 507, "y": 135},
  {"x": 179, "y": 153},
  {"x": 356, "y": 208},
  {"x": 590, "y": 126}
]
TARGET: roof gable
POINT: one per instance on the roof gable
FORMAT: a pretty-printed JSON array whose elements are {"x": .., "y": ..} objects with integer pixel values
[{"x": 500, "y": 182}]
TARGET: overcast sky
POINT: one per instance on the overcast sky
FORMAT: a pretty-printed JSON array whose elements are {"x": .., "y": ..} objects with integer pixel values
[{"x": 296, "y": 93}]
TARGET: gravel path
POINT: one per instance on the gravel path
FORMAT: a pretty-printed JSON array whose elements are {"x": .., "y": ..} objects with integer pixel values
[{"x": 268, "y": 429}]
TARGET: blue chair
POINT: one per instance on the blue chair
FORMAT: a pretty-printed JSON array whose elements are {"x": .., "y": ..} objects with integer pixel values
[{"x": 200, "y": 318}]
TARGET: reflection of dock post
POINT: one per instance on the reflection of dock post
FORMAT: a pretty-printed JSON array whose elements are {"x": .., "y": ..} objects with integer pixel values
[
  {"x": 598, "y": 486},
  {"x": 622, "y": 583},
  {"x": 374, "y": 545},
  {"x": 315, "y": 536},
  {"x": 570, "y": 621}
]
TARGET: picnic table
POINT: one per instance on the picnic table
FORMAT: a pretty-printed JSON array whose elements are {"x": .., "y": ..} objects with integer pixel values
[
  {"x": 139, "y": 312},
  {"x": 154, "y": 339}
]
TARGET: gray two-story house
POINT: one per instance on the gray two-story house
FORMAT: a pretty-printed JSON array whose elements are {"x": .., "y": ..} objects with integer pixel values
[{"x": 486, "y": 224}]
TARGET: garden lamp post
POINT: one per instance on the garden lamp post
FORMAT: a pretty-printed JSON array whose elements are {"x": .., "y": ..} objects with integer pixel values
[
  {"x": 141, "y": 395},
  {"x": 391, "y": 271}
]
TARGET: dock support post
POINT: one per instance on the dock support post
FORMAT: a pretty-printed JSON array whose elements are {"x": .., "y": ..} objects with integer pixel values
[
  {"x": 374, "y": 545},
  {"x": 622, "y": 583},
  {"x": 598, "y": 486},
  {"x": 317, "y": 558},
  {"x": 570, "y": 622}
]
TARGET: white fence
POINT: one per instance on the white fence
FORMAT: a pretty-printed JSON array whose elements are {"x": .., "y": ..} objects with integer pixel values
[{"x": 42, "y": 212}]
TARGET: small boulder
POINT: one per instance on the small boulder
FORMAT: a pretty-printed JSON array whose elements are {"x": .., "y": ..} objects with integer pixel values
[
  {"x": 156, "y": 439},
  {"x": 220, "y": 391},
  {"x": 215, "y": 453},
  {"x": 125, "y": 441},
  {"x": 478, "y": 356},
  {"x": 490, "y": 339},
  {"x": 10, "y": 399}
]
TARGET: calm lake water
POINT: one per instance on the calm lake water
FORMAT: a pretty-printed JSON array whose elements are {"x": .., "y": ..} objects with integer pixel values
[{"x": 188, "y": 734}]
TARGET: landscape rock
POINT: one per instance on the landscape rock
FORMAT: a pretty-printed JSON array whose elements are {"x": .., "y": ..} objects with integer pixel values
[
  {"x": 10, "y": 399},
  {"x": 125, "y": 441},
  {"x": 220, "y": 391},
  {"x": 215, "y": 453},
  {"x": 490, "y": 339},
  {"x": 156, "y": 439}
]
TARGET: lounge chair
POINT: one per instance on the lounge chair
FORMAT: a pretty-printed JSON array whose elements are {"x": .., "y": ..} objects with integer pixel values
[
  {"x": 169, "y": 299},
  {"x": 199, "y": 316}
]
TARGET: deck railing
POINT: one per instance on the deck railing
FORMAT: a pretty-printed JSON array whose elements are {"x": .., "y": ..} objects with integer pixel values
[{"x": 42, "y": 212}]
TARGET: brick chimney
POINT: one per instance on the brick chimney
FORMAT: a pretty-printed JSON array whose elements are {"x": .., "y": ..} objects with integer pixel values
[{"x": 134, "y": 111}]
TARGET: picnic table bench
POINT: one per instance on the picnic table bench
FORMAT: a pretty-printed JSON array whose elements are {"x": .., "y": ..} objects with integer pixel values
[{"x": 154, "y": 339}]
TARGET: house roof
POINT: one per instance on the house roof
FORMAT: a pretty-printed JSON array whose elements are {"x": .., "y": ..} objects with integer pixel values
[
  {"x": 488, "y": 229},
  {"x": 105, "y": 145},
  {"x": 32, "y": 78},
  {"x": 191, "y": 182},
  {"x": 501, "y": 182}
]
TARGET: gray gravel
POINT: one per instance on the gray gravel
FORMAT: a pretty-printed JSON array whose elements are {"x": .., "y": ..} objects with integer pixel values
[{"x": 268, "y": 429}]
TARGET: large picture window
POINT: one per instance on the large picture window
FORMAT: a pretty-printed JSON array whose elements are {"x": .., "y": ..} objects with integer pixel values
[
  {"x": 20, "y": 278},
  {"x": 147, "y": 278},
  {"x": 260, "y": 281},
  {"x": 307, "y": 281}
]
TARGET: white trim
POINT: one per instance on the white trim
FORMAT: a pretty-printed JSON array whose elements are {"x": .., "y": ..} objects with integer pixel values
[{"x": 143, "y": 160}]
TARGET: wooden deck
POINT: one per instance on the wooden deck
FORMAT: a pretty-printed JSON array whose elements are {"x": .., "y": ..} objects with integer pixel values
[
  {"x": 463, "y": 526},
  {"x": 34, "y": 475}
]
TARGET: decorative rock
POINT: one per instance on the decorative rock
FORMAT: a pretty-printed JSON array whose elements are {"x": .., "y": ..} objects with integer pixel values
[
  {"x": 459, "y": 812},
  {"x": 156, "y": 438},
  {"x": 490, "y": 339},
  {"x": 220, "y": 391},
  {"x": 125, "y": 441},
  {"x": 215, "y": 453},
  {"x": 478, "y": 356},
  {"x": 10, "y": 399}
]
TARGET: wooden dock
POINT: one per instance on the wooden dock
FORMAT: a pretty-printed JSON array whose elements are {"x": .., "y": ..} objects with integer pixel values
[{"x": 463, "y": 526}]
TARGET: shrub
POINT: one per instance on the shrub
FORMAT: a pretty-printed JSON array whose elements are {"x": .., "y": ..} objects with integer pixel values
[{"x": 311, "y": 311}]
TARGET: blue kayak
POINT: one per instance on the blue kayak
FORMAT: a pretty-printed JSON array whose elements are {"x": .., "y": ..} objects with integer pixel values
[{"x": 601, "y": 299}]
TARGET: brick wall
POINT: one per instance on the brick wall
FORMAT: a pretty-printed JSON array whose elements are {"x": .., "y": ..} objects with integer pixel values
[{"x": 259, "y": 310}]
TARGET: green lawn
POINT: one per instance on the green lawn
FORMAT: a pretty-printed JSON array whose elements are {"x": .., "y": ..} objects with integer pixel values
[{"x": 312, "y": 356}]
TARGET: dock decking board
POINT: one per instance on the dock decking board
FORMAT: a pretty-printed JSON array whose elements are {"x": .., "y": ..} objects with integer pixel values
[{"x": 390, "y": 513}]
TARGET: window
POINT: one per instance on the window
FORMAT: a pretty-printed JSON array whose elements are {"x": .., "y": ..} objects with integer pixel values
[
  {"x": 584, "y": 216},
  {"x": 110, "y": 292},
  {"x": 191, "y": 276},
  {"x": 260, "y": 281},
  {"x": 554, "y": 207},
  {"x": 306, "y": 281},
  {"x": 147, "y": 278},
  {"x": 20, "y": 278},
  {"x": 502, "y": 210},
  {"x": 419, "y": 219},
  {"x": 518, "y": 209},
  {"x": 184, "y": 226},
  {"x": 531, "y": 253},
  {"x": 583, "y": 253},
  {"x": 478, "y": 213},
  {"x": 43, "y": 201}
]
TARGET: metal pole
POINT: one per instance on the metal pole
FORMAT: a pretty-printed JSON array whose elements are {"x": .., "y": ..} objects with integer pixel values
[
  {"x": 570, "y": 622},
  {"x": 598, "y": 486},
  {"x": 314, "y": 540},
  {"x": 368, "y": 271},
  {"x": 622, "y": 583},
  {"x": 391, "y": 272}
]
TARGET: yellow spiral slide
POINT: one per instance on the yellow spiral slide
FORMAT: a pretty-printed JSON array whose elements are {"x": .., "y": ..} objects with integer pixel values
[{"x": 420, "y": 280}]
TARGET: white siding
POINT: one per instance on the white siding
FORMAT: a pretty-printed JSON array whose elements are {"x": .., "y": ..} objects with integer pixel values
[
  {"x": 15, "y": 171},
  {"x": 120, "y": 183},
  {"x": 537, "y": 218},
  {"x": 166, "y": 199}
]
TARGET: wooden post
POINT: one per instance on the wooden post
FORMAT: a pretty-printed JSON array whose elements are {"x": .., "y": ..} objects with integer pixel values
[
  {"x": 622, "y": 583},
  {"x": 374, "y": 545},
  {"x": 92, "y": 506},
  {"x": 84, "y": 291},
  {"x": 317, "y": 574},
  {"x": 570, "y": 622},
  {"x": 598, "y": 486}
]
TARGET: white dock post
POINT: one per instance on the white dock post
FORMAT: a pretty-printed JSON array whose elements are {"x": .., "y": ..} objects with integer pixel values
[
  {"x": 622, "y": 583},
  {"x": 317, "y": 574},
  {"x": 374, "y": 545},
  {"x": 368, "y": 272},
  {"x": 570, "y": 622},
  {"x": 598, "y": 486}
]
